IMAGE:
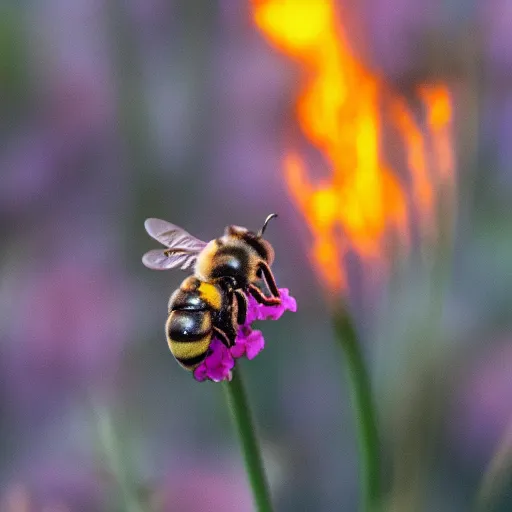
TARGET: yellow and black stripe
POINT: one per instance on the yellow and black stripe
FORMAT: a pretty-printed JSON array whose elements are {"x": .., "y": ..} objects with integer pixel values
[
  {"x": 189, "y": 334},
  {"x": 189, "y": 327}
]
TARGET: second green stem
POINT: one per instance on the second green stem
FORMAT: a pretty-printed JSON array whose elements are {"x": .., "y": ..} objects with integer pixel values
[{"x": 364, "y": 409}]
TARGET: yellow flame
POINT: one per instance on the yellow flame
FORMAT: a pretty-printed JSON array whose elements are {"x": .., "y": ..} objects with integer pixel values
[
  {"x": 339, "y": 111},
  {"x": 439, "y": 116}
]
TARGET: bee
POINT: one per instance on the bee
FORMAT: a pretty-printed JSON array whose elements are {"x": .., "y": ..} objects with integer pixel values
[
  {"x": 212, "y": 300},
  {"x": 198, "y": 310}
]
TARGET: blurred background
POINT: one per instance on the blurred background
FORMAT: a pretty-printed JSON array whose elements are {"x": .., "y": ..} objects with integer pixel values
[{"x": 112, "y": 112}]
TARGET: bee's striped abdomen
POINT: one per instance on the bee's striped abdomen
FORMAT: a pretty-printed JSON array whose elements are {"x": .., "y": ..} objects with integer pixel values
[{"x": 189, "y": 334}]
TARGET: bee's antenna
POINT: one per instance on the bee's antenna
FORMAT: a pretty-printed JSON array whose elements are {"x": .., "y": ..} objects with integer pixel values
[{"x": 262, "y": 230}]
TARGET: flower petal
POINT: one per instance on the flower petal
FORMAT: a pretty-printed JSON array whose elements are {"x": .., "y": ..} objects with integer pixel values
[
  {"x": 256, "y": 311},
  {"x": 238, "y": 350},
  {"x": 215, "y": 357},
  {"x": 254, "y": 344},
  {"x": 218, "y": 364},
  {"x": 200, "y": 373},
  {"x": 253, "y": 308},
  {"x": 289, "y": 302}
]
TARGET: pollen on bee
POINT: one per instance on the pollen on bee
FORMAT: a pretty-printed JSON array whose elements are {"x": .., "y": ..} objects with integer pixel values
[{"x": 211, "y": 295}]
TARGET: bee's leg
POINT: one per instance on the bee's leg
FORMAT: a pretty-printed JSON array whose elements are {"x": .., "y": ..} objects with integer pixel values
[
  {"x": 231, "y": 329},
  {"x": 269, "y": 278},
  {"x": 258, "y": 295},
  {"x": 222, "y": 336},
  {"x": 231, "y": 333},
  {"x": 227, "y": 316},
  {"x": 241, "y": 300}
]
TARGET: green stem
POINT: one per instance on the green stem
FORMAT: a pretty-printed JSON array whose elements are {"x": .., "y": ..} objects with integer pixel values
[
  {"x": 237, "y": 400},
  {"x": 110, "y": 446},
  {"x": 364, "y": 409},
  {"x": 497, "y": 474}
]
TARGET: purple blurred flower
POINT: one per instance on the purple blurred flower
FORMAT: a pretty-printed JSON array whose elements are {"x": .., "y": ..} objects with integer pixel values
[
  {"x": 218, "y": 365},
  {"x": 65, "y": 331},
  {"x": 54, "y": 484},
  {"x": 483, "y": 410},
  {"x": 222, "y": 487}
]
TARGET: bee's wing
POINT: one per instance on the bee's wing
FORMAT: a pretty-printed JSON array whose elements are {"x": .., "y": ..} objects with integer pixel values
[
  {"x": 162, "y": 259},
  {"x": 173, "y": 236}
]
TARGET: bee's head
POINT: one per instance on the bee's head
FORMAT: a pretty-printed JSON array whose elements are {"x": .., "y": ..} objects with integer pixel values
[{"x": 255, "y": 240}]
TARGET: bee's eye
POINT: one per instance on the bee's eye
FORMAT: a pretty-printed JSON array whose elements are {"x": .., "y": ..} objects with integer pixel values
[{"x": 230, "y": 281}]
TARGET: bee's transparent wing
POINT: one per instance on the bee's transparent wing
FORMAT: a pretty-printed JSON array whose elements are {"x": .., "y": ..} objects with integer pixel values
[
  {"x": 182, "y": 251},
  {"x": 173, "y": 236},
  {"x": 162, "y": 259}
]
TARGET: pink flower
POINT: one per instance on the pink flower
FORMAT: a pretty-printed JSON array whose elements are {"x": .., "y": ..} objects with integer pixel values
[
  {"x": 257, "y": 311},
  {"x": 221, "y": 360},
  {"x": 217, "y": 366},
  {"x": 248, "y": 342}
]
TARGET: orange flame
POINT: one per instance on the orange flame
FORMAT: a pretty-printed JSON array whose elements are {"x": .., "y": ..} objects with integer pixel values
[{"x": 339, "y": 111}]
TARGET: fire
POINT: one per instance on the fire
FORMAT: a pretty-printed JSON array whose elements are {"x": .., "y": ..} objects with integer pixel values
[{"x": 340, "y": 109}]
